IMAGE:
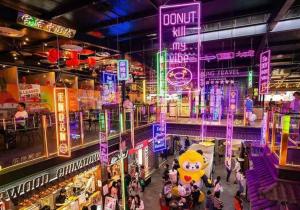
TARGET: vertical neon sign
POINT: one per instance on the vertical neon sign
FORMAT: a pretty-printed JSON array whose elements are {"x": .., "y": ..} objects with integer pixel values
[
  {"x": 230, "y": 119},
  {"x": 62, "y": 122},
  {"x": 175, "y": 22},
  {"x": 264, "y": 72},
  {"x": 250, "y": 78},
  {"x": 123, "y": 70}
]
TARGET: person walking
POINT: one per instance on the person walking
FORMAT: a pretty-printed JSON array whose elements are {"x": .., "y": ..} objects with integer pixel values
[{"x": 240, "y": 179}]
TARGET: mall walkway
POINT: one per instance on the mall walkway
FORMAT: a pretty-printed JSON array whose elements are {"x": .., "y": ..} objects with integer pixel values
[{"x": 151, "y": 194}]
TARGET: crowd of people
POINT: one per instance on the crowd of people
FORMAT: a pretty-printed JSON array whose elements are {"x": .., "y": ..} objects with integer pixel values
[{"x": 175, "y": 195}]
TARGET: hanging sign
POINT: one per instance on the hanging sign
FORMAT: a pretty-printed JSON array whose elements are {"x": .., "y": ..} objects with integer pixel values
[
  {"x": 229, "y": 134},
  {"x": 34, "y": 22},
  {"x": 159, "y": 138},
  {"x": 232, "y": 100},
  {"x": 103, "y": 148},
  {"x": 102, "y": 121},
  {"x": 250, "y": 78},
  {"x": 286, "y": 122},
  {"x": 123, "y": 70},
  {"x": 62, "y": 122},
  {"x": 175, "y": 22},
  {"x": 109, "y": 92},
  {"x": 161, "y": 68},
  {"x": 264, "y": 72}
]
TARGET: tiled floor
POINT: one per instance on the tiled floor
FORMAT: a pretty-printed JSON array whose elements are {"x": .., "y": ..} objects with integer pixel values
[{"x": 151, "y": 194}]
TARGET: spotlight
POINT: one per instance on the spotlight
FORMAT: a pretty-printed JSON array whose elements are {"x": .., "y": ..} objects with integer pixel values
[
  {"x": 39, "y": 63},
  {"x": 45, "y": 44},
  {"x": 26, "y": 39},
  {"x": 14, "y": 54},
  {"x": 15, "y": 58},
  {"x": 24, "y": 43}
]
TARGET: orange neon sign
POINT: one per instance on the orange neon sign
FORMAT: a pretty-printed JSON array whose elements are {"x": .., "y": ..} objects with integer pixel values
[{"x": 62, "y": 122}]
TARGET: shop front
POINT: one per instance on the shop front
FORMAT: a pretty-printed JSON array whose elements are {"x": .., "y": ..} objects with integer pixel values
[{"x": 71, "y": 185}]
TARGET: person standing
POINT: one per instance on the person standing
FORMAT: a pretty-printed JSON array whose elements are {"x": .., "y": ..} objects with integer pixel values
[
  {"x": 218, "y": 203},
  {"x": 238, "y": 204},
  {"x": 142, "y": 177},
  {"x": 295, "y": 104},
  {"x": 240, "y": 179},
  {"x": 209, "y": 204},
  {"x": 218, "y": 187},
  {"x": 248, "y": 109},
  {"x": 228, "y": 169},
  {"x": 237, "y": 167},
  {"x": 187, "y": 143}
]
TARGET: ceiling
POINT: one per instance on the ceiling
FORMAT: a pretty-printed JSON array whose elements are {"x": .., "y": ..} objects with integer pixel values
[{"x": 130, "y": 26}]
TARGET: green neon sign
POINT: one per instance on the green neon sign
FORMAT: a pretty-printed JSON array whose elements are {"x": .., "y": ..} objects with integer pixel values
[
  {"x": 286, "y": 122},
  {"x": 102, "y": 121},
  {"x": 250, "y": 78}
]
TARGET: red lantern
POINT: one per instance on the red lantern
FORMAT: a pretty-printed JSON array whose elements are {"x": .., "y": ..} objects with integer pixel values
[
  {"x": 53, "y": 55},
  {"x": 91, "y": 61}
]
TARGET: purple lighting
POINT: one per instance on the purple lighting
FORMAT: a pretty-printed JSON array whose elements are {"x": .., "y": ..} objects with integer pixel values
[
  {"x": 228, "y": 55},
  {"x": 177, "y": 21},
  {"x": 225, "y": 56},
  {"x": 264, "y": 72}
]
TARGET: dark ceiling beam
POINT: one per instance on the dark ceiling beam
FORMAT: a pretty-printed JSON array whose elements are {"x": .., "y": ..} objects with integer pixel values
[
  {"x": 131, "y": 17},
  {"x": 20, "y": 6},
  {"x": 63, "y": 9},
  {"x": 154, "y": 4},
  {"x": 281, "y": 7}
]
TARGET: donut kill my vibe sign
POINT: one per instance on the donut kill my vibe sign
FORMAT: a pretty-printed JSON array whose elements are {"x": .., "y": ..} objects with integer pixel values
[{"x": 176, "y": 22}]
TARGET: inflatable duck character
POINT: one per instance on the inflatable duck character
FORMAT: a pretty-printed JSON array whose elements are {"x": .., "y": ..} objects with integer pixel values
[{"x": 192, "y": 165}]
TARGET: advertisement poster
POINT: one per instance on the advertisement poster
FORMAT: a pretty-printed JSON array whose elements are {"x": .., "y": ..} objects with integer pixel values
[
  {"x": 109, "y": 88},
  {"x": 110, "y": 203},
  {"x": 30, "y": 94}
]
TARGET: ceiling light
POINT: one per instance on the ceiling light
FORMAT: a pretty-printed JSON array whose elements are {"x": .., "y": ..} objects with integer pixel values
[
  {"x": 45, "y": 44},
  {"x": 15, "y": 58},
  {"x": 39, "y": 63},
  {"x": 24, "y": 42},
  {"x": 27, "y": 39},
  {"x": 14, "y": 54}
]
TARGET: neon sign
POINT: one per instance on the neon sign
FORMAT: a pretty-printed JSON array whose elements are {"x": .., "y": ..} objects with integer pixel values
[
  {"x": 161, "y": 67},
  {"x": 34, "y": 22},
  {"x": 103, "y": 148},
  {"x": 264, "y": 72},
  {"x": 62, "y": 122},
  {"x": 123, "y": 70},
  {"x": 250, "y": 78},
  {"x": 177, "y": 21},
  {"x": 159, "y": 138},
  {"x": 230, "y": 120},
  {"x": 228, "y": 55},
  {"x": 179, "y": 76}
]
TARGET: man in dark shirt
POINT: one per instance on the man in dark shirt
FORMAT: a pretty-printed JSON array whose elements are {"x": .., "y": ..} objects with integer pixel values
[{"x": 61, "y": 198}]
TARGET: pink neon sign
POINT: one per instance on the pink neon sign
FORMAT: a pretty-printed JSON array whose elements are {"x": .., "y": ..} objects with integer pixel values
[
  {"x": 232, "y": 99},
  {"x": 228, "y": 55},
  {"x": 177, "y": 21},
  {"x": 264, "y": 72}
]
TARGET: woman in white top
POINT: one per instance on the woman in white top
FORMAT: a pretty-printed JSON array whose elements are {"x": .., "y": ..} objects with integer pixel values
[
  {"x": 138, "y": 204},
  {"x": 218, "y": 187}
]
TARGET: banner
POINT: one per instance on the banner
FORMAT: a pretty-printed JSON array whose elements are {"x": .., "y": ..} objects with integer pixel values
[
  {"x": 264, "y": 72},
  {"x": 175, "y": 23},
  {"x": 62, "y": 122},
  {"x": 159, "y": 137},
  {"x": 123, "y": 70}
]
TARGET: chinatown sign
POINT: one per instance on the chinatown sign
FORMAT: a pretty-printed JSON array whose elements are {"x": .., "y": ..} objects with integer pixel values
[
  {"x": 43, "y": 178},
  {"x": 175, "y": 22},
  {"x": 34, "y": 22},
  {"x": 62, "y": 122},
  {"x": 264, "y": 72}
]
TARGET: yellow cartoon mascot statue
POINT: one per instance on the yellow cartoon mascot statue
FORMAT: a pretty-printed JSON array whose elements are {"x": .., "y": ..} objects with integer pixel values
[{"x": 192, "y": 165}]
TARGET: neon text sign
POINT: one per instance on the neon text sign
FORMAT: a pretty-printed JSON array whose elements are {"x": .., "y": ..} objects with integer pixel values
[
  {"x": 62, "y": 122},
  {"x": 123, "y": 70},
  {"x": 228, "y": 55},
  {"x": 34, "y": 22},
  {"x": 183, "y": 58},
  {"x": 264, "y": 72}
]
